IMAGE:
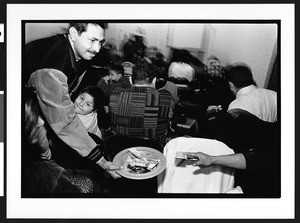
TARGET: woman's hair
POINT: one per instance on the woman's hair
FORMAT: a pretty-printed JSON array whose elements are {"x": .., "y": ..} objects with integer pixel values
[
  {"x": 97, "y": 94},
  {"x": 32, "y": 112}
]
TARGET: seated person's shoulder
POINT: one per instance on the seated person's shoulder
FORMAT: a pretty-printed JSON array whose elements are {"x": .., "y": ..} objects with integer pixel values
[
  {"x": 164, "y": 92},
  {"x": 125, "y": 82},
  {"x": 166, "y": 96},
  {"x": 119, "y": 90},
  {"x": 245, "y": 118},
  {"x": 270, "y": 91},
  {"x": 240, "y": 113}
]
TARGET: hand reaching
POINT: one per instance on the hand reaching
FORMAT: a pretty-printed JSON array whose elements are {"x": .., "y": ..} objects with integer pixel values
[{"x": 203, "y": 159}]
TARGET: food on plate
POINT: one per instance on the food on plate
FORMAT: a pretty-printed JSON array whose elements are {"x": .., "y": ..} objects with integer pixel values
[
  {"x": 140, "y": 163},
  {"x": 137, "y": 154}
]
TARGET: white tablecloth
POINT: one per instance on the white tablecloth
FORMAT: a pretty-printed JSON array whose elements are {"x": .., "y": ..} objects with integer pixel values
[{"x": 182, "y": 177}]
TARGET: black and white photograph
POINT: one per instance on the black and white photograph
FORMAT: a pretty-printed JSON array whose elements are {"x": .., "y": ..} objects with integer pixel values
[
  {"x": 137, "y": 111},
  {"x": 115, "y": 95}
]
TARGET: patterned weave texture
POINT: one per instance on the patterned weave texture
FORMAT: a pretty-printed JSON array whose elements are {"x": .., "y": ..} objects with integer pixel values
[{"x": 141, "y": 111}]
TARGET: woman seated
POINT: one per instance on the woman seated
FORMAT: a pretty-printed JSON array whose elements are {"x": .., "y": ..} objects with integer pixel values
[{"x": 40, "y": 175}]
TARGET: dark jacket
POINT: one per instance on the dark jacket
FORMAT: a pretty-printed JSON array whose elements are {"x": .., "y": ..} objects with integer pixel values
[
  {"x": 52, "y": 52},
  {"x": 259, "y": 142},
  {"x": 51, "y": 68}
]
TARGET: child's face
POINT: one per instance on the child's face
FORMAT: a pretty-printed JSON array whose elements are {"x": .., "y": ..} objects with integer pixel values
[
  {"x": 84, "y": 104},
  {"x": 114, "y": 76}
]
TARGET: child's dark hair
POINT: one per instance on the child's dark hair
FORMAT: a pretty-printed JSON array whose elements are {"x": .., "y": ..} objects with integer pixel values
[
  {"x": 97, "y": 94},
  {"x": 142, "y": 71},
  {"x": 118, "y": 68}
]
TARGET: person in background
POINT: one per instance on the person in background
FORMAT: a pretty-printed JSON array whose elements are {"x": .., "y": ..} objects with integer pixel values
[
  {"x": 161, "y": 81},
  {"x": 134, "y": 47},
  {"x": 129, "y": 48},
  {"x": 141, "y": 110},
  {"x": 54, "y": 66},
  {"x": 180, "y": 67},
  {"x": 214, "y": 67},
  {"x": 89, "y": 102},
  {"x": 258, "y": 101},
  {"x": 219, "y": 94},
  {"x": 116, "y": 79}
]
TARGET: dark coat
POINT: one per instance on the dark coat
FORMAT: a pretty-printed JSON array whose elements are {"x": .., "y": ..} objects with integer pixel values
[
  {"x": 52, "y": 52},
  {"x": 259, "y": 142}
]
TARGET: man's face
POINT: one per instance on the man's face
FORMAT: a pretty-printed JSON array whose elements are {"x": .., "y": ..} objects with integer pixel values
[{"x": 88, "y": 44}]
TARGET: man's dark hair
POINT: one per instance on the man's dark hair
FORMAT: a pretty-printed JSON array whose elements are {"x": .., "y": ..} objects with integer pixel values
[
  {"x": 240, "y": 75},
  {"x": 82, "y": 26},
  {"x": 118, "y": 68},
  {"x": 181, "y": 55},
  {"x": 140, "y": 72}
]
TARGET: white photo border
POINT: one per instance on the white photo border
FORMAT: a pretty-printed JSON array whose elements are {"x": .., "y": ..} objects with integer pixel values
[{"x": 166, "y": 208}]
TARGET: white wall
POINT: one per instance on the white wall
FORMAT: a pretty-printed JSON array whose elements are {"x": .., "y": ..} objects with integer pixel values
[
  {"x": 156, "y": 33},
  {"x": 249, "y": 43},
  {"x": 40, "y": 30}
]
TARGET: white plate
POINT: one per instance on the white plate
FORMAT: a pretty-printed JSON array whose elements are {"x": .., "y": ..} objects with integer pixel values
[{"x": 121, "y": 157}]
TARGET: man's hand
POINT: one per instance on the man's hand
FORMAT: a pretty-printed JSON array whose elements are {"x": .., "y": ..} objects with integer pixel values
[{"x": 203, "y": 159}]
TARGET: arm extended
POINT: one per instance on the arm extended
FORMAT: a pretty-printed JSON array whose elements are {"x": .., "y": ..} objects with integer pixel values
[{"x": 236, "y": 161}]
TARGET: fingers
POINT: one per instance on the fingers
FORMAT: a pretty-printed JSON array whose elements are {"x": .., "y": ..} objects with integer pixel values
[
  {"x": 110, "y": 166},
  {"x": 111, "y": 169},
  {"x": 197, "y": 163},
  {"x": 114, "y": 174},
  {"x": 114, "y": 167}
]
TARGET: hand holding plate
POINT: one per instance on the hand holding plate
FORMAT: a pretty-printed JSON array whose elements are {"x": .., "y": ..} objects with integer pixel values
[{"x": 111, "y": 169}]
